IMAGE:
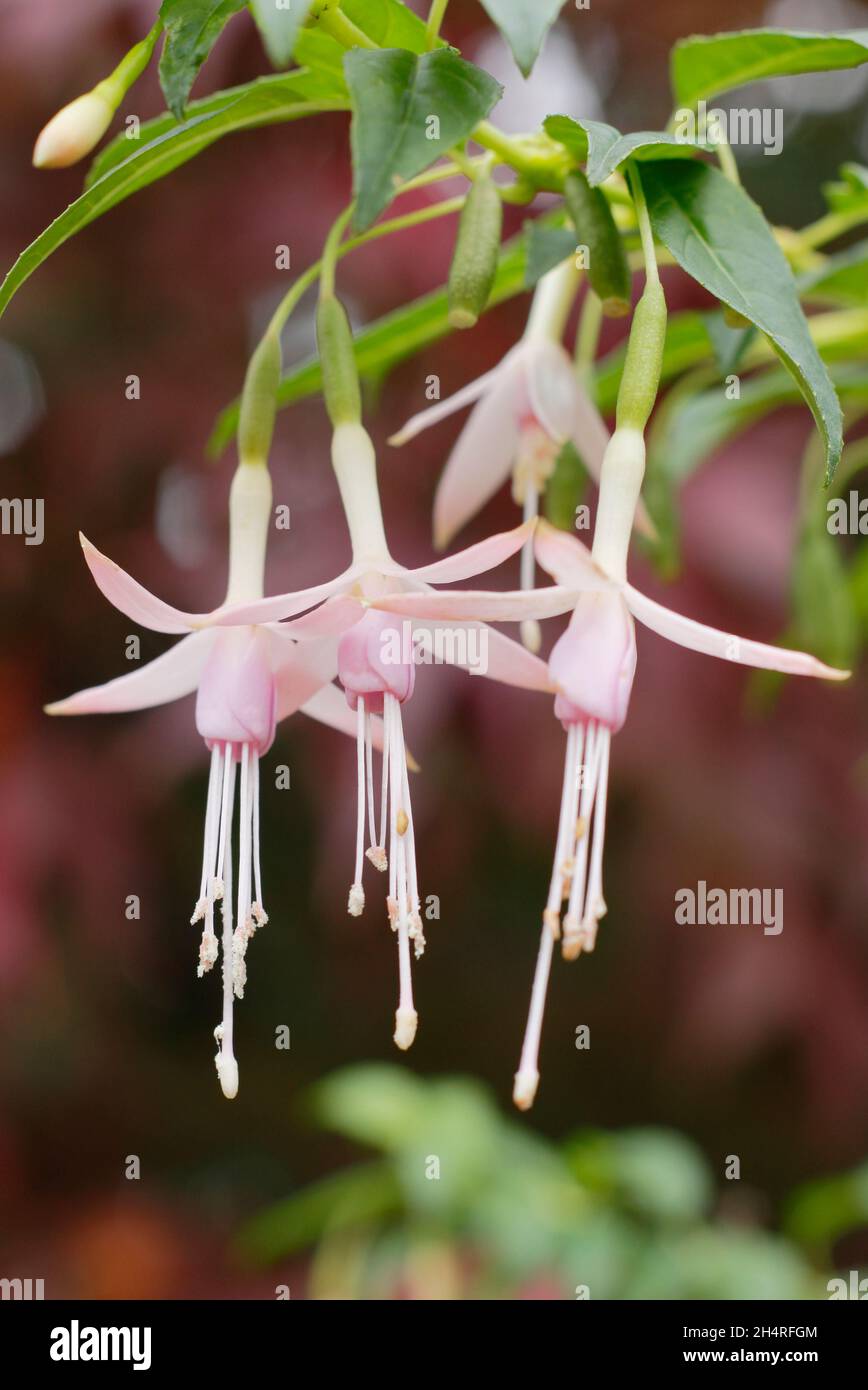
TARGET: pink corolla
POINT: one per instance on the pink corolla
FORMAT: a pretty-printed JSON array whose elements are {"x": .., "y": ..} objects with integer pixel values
[
  {"x": 375, "y": 662},
  {"x": 592, "y": 665}
]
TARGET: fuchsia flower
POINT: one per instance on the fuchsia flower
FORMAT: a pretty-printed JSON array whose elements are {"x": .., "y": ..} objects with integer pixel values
[
  {"x": 377, "y": 670},
  {"x": 592, "y": 665}
]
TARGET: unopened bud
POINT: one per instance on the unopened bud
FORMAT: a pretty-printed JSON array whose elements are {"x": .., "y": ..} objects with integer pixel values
[
  {"x": 73, "y": 131},
  {"x": 259, "y": 401},
  {"x": 474, "y": 260},
  {"x": 608, "y": 269},
  {"x": 340, "y": 377}
]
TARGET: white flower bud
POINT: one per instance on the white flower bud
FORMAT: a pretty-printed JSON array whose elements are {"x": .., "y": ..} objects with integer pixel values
[{"x": 73, "y": 131}]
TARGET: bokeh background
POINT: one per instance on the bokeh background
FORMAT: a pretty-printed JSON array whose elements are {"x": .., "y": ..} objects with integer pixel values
[{"x": 704, "y": 1043}]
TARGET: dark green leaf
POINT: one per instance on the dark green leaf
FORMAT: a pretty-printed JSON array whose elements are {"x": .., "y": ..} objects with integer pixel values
[
  {"x": 280, "y": 27},
  {"x": 604, "y": 149},
  {"x": 720, "y": 237},
  {"x": 704, "y": 65},
  {"x": 546, "y": 247},
  {"x": 408, "y": 110},
  {"x": 260, "y": 103},
  {"x": 192, "y": 28},
  {"x": 842, "y": 280},
  {"x": 524, "y": 24}
]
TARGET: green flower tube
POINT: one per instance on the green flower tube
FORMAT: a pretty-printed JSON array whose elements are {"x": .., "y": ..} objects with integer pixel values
[
  {"x": 607, "y": 268},
  {"x": 474, "y": 260}
]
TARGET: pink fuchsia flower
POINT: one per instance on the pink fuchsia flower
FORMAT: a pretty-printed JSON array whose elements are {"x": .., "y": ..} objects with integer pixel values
[
  {"x": 524, "y": 410},
  {"x": 375, "y": 661},
  {"x": 246, "y": 678},
  {"x": 593, "y": 665}
]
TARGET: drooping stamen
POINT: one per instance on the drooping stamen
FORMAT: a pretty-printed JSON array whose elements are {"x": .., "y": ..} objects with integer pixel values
[
  {"x": 595, "y": 903},
  {"x": 369, "y": 779},
  {"x": 208, "y": 948},
  {"x": 586, "y": 905},
  {"x": 377, "y": 852},
  {"x": 356, "y": 902},
  {"x": 227, "y": 1067},
  {"x": 413, "y": 906},
  {"x": 400, "y": 875}
]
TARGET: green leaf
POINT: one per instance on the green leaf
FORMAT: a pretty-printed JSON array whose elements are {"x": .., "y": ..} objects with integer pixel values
[
  {"x": 387, "y": 341},
  {"x": 546, "y": 247},
  {"x": 824, "y": 618},
  {"x": 720, "y": 237},
  {"x": 704, "y": 65},
  {"x": 842, "y": 280},
  {"x": 280, "y": 27},
  {"x": 264, "y": 102},
  {"x": 380, "y": 1105},
  {"x": 192, "y": 28},
  {"x": 850, "y": 194},
  {"x": 565, "y": 488},
  {"x": 603, "y": 149},
  {"x": 355, "y": 1197},
  {"x": 524, "y": 24},
  {"x": 397, "y": 98}
]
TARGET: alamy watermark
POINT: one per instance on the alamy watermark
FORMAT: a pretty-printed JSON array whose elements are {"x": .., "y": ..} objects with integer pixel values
[
  {"x": 757, "y": 125},
  {"x": 435, "y": 646},
  {"x": 739, "y": 907},
  {"x": 23, "y": 516}
]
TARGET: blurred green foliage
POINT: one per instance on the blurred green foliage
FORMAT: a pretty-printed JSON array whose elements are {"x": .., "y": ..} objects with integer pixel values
[{"x": 463, "y": 1202}]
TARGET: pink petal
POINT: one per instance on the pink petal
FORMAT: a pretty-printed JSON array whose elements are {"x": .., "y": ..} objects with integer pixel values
[
  {"x": 301, "y": 669},
  {"x": 279, "y": 606},
  {"x": 457, "y": 401},
  {"x": 554, "y": 390},
  {"x": 133, "y": 598},
  {"x": 567, "y": 561},
  {"x": 329, "y": 706},
  {"x": 237, "y": 696},
  {"x": 169, "y": 677},
  {"x": 475, "y": 559},
  {"x": 329, "y": 620},
  {"x": 482, "y": 456},
  {"x": 699, "y": 638},
  {"x": 506, "y": 661},
  {"x": 512, "y": 606}
]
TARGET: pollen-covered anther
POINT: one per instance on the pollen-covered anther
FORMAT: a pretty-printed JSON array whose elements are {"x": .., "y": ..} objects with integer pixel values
[
  {"x": 551, "y": 919},
  {"x": 573, "y": 939},
  {"x": 356, "y": 900},
  {"x": 199, "y": 911},
  {"x": 416, "y": 934},
  {"x": 392, "y": 911},
  {"x": 378, "y": 857},
  {"x": 402, "y": 820},
  {"x": 581, "y": 827},
  {"x": 406, "y": 1022},
  {"x": 208, "y": 950},
  {"x": 259, "y": 915}
]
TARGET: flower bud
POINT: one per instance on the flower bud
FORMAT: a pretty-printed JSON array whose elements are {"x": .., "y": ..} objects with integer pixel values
[
  {"x": 474, "y": 260},
  {"x": 340, "y": 377},
  {"x": 73, "y": 131},
  {"x": 608, "y": 269},
  {"x": 644, "y": 360},
  {"x": 259, "y": 401}
]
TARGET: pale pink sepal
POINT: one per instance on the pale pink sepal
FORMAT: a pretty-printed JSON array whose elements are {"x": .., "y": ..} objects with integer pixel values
[
  {"x": 566, "y": 559},
  {"x": 475, "y": 559},
  {"x": 301, "y": 669},
  {"x": 440, "y": 410},
  {"x": 133, "y": 599},
  {"x": 507, "y": 661},
  {"x": 725, "y": 645},
  {"x": 483, "y": 455},
  {"x": 512, "y": 606},
  {"x": 174, "y": 674},
  {"x": 280, "y": 606}
]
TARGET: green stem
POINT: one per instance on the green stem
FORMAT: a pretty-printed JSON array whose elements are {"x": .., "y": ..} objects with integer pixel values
[
  {"x": 652, "y": 276},
  {"x": 726, "y": 159},
  {"x": 334, "y": 23},
  {"x": 588, "y": 338},
  {"x": 330, "y": 250},
  {"x": 435, "y": 19}
]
